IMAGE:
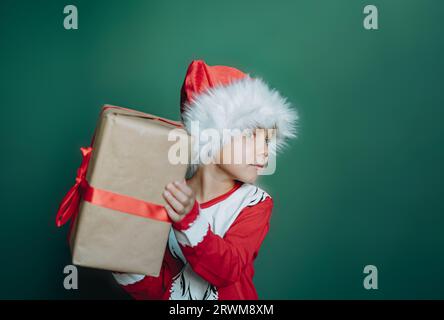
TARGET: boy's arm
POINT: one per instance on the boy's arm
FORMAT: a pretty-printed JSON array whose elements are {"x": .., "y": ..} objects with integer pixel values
[
  {"x": 142, "y": 287},
  {"x": 218, "y": 260}
]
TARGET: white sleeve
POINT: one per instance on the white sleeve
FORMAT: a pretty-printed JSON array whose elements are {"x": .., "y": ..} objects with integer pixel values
[{"x": 125, "y": 279}]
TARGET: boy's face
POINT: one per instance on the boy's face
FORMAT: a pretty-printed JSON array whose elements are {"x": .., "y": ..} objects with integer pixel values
[{"x": 245, "y": 155}]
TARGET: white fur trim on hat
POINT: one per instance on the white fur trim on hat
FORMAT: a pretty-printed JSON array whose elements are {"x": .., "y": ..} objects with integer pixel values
[{"x": 247, "y": 103}]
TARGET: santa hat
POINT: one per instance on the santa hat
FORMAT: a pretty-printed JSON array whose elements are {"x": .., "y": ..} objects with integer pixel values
[{"x": 222, "y": 97}]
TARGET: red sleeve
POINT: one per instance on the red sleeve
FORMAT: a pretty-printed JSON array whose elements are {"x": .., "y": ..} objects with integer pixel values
[
  {"x": 221, "y": 261},
  {"x": 142, "y": 287}
]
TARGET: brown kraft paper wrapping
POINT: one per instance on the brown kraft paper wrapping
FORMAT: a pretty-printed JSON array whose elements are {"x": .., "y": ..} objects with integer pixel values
[{"x": 129, "y": 157}]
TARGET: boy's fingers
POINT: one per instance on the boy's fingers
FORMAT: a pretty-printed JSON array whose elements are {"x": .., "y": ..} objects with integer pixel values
[
  {"x": 175, "y": 204},
  {"x": 173, "y": 215},
  {"x": 179, "y": 195},
  {"x": 182, "y": 186}
]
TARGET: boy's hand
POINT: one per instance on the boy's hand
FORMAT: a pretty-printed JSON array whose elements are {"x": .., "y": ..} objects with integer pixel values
[{"x": 180, "y": 200}]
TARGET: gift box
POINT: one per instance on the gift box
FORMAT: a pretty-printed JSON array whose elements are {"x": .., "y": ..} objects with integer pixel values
[{"x": 116, "y": 208}]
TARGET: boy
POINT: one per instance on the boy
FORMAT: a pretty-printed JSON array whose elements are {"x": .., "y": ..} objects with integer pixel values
[{"x": 219, "y": 217}]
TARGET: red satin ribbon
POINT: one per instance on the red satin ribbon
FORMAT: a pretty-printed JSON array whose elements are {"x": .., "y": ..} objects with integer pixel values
[
  {"x": 70, "y": 203},
  {"x": 69, "y": 206}
]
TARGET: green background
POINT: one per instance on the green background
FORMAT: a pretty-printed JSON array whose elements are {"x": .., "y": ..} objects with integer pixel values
[{"x": 362, "y": 185}]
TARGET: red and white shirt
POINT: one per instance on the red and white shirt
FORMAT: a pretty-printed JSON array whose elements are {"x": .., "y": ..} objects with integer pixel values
[{"x": 210, "y": 253}]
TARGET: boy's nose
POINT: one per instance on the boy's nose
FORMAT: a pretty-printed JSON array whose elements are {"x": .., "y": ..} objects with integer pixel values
[
  {"x": 262, "y": 151},
  {"x": 265, "y": 151}
]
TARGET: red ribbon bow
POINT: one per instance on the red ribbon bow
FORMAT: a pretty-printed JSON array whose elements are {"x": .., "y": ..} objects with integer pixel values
[{"x": 70, "y": 203}]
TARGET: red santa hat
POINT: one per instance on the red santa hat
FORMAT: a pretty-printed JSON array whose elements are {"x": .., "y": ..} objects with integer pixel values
[{"x": 222, "y": 97}]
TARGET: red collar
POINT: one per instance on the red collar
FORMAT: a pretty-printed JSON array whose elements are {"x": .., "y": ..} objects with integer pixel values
[{"x": 209, "y": 203}]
